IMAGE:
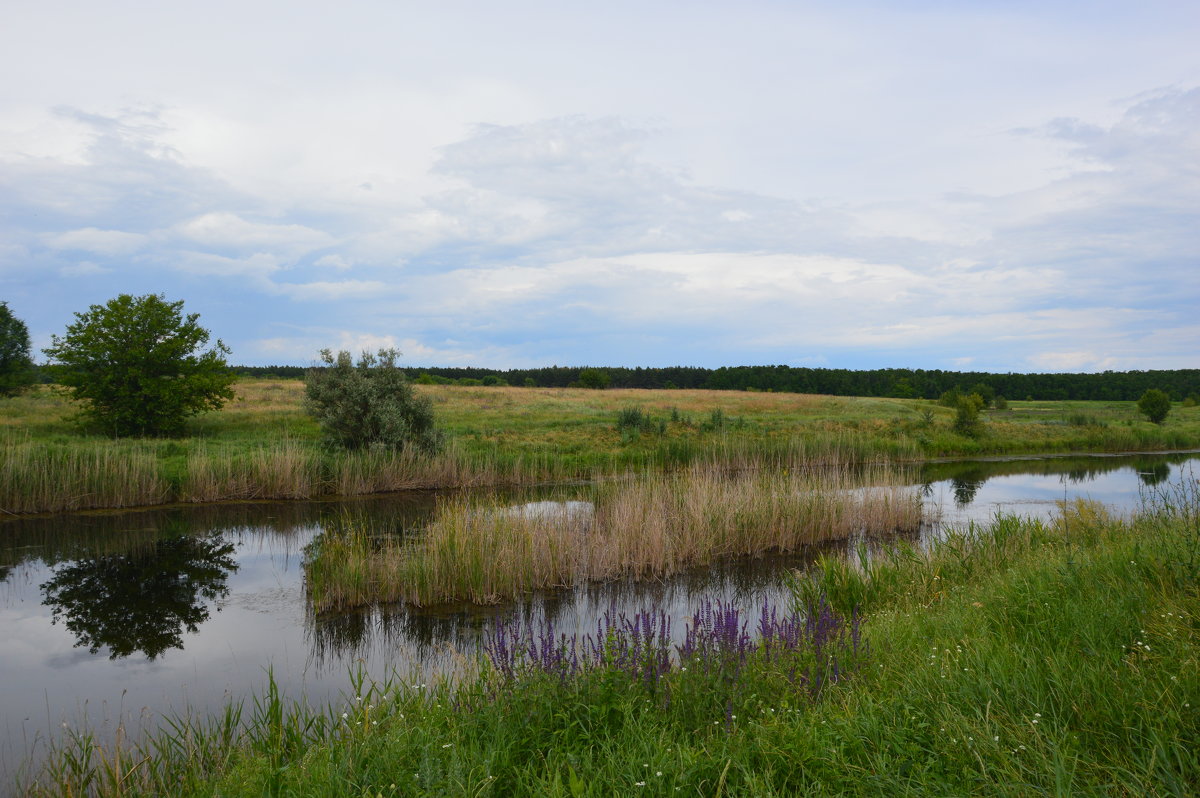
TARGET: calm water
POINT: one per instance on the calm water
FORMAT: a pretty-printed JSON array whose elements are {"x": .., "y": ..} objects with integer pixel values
[{"x": 123, "y": 616}]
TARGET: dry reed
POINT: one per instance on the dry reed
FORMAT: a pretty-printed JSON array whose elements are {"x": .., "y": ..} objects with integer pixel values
[
  {"x": 651, "y": 524},
  {"x": 42, "y": 477}
]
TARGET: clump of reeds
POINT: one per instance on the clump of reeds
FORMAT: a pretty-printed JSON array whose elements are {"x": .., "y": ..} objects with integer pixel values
[
  {"x": 649, "y": 524},
  {"x": 287, "y": 470},
  {"x": 50, "y": 477}
]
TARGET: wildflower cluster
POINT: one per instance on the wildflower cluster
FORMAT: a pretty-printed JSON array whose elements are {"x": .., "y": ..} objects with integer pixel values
[{"x": 804, "y": 651}]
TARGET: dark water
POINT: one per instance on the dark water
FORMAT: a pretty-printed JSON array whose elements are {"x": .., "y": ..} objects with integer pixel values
[{"x": 120, "y": 617}]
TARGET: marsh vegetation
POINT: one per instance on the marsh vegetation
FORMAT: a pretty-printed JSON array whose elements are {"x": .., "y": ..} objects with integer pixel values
[
  {"x": 1014, "y": 657},
  {"x": 263, "y": 445}
]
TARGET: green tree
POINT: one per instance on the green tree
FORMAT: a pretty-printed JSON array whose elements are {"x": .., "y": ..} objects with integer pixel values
[
  {"x": 16, "y": 366},
  {"x": 141, "y": 366},
  {"x": 370, "y": 404},
  {"x": 593, "y": 378},
  {"x": 1155, "y": 405},
  {"x": 966, "y": 415}
]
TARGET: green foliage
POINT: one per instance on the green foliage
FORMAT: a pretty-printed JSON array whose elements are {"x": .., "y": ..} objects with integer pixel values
[
  {"x": 1000, "y": 403},
  {"x": 594, "y": 378},
  {"x": 370, "y": 404},
  {"x": 1155, "y": 405},
  {"x": 16, "y": 366},
  {"x": 530, "y": 382},
  {"x": 966, "y": 415},
  {"x": 139, "y": 363},
  {"x": 950, "y": 398},
  {"x": 985, "y": 392},
  {"x": 493, "y": 381}
]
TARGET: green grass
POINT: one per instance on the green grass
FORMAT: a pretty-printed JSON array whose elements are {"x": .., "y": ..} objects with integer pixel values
[
  {"x": 1018, "y": 658},
  {"x": 262, "y": 445}
]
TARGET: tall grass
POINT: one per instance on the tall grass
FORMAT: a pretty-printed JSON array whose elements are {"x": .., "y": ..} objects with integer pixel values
[
  {"x": 51, "y": 477},
  {"x": 649, "y": 524}
]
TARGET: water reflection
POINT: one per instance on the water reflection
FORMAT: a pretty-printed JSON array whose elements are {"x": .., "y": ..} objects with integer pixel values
[
  {"x": 142, "y": 590},
  {"x": 143, "y": 600},
  {"x": 966, "y": 478}
]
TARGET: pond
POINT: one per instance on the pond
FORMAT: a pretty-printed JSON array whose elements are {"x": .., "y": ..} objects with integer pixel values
[{"x": 119, "y": 617}]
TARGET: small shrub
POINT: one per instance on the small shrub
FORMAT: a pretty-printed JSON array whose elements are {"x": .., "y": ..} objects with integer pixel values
[
  {"x": 594, "y": 378},
  {"x": 1000, "y": 403},
  {"x": 966, "y": 415},
  {"x": 1154, "y": 405},
  {"x": 950, "y": 398},
  {"x": 370, "y": 404}
]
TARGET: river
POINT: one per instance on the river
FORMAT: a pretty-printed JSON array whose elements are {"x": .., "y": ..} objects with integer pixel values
[{"x": 119, "y": 617}]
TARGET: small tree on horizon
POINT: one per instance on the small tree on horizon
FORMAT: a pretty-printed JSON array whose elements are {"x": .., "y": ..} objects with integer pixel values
[
  {"x": 140, "y": 366},
  {"x": 1154, "y": 405}
]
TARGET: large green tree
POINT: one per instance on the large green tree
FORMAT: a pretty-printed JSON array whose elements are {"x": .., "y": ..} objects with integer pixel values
[
  {"x": 16, "y": 366},
  {"x": 141, "y": 366}
]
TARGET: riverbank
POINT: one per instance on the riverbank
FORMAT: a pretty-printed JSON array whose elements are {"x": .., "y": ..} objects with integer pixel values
[
  {"x": 263, "y": 446},
  {"x": 1020, "y": 657}
]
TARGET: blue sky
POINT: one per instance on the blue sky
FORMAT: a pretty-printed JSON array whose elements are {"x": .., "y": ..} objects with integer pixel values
[{"x": 988, "y": 186}]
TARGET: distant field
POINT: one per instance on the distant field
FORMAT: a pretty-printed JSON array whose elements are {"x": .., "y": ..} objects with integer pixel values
[{"x": 263, "y": 445}]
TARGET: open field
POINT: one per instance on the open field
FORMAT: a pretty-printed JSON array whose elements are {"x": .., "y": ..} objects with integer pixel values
[
  {"x": 1020, "y": 658},
  {"x": 262, "y": 445}
]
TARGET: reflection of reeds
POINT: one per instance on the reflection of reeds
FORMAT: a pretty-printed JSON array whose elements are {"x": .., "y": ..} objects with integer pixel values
[{"x": 651, "y": 524}]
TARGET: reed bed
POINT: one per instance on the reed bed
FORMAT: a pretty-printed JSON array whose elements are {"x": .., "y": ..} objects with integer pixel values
[
  {"x": 651, "y": 524},
  {"x": 285, "y": 471},
  {"x": 50, "y": 477}
]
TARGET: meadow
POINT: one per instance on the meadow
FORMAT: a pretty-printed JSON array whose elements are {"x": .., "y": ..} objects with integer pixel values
[
  {"x": 1017, "y": 658},
  {"x": 263, "y": 446}
]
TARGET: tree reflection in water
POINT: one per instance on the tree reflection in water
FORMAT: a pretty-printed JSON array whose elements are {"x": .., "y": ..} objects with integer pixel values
[{"x": 141, "y": 600}]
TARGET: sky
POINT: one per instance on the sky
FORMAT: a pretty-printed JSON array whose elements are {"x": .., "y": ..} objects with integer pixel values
[{"x": 990, "y": 186}]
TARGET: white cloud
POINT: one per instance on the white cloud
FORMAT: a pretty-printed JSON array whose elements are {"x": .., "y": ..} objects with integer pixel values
[
  {"x": 257, "y": 267},
  {"x": 332, "y": 291},
  {"x": 223, "y": 229},
  {"x": 334, "y": 262},
  {"x": 101, "y": 242},
  {"x": 83, "y": 268}
]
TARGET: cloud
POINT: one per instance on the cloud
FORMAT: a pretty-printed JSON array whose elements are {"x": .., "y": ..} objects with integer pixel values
[
  {"x": 257, "y": 267},
  {"x": 332, "y": 291},
  {"x": 225, "y": 230},
  {"x": 83, "y": 268},
  {"x": 102, "y": 242}
]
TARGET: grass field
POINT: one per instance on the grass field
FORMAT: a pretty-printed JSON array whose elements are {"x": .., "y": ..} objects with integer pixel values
[
  {"x": 1020, "y": 658},
  {"x": 262, "y": 445}
]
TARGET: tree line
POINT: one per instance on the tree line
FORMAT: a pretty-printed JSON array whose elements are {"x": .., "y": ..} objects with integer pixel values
[{"x": 1179, "y": 384}]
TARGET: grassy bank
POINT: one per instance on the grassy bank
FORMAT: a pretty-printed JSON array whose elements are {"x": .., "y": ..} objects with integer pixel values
[
  {"x": 652, "y": 524},
  {"x": 262, "y": 445},
  {"x": 1014, "y": 659}
]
